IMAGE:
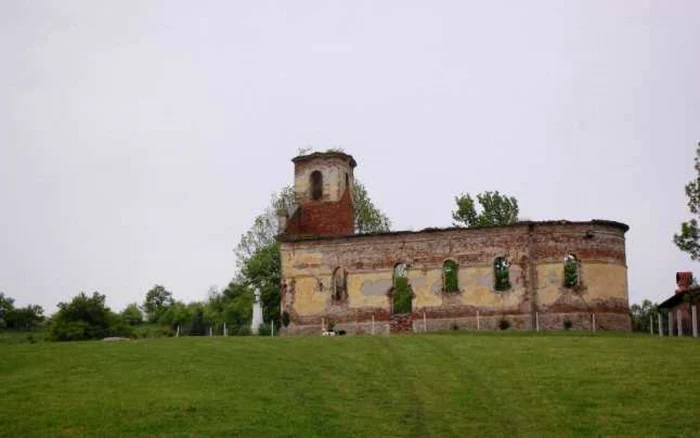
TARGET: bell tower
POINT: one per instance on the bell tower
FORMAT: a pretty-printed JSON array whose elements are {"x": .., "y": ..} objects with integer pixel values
[{"x": 323, "y": 194}]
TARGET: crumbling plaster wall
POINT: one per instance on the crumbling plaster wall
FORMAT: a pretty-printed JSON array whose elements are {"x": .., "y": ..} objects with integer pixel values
[{"x": 536, "y": 253}]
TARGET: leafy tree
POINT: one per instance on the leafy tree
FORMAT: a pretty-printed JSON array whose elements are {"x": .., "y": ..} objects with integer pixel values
[
  {"x": 368, "y": 218},
  {"x": 178, "y": 313},
  {"x": 25, "y": 318},
  {"x": 496, "y": 209},
  {"x": 199, "y": 326},
  {"x": 238, "y": 304},
  {"x": 639, "y": 314},
  {"x": 157, "y": 301},
  {"x": 19, "y": 318},
  {"x": 86, "y": 317},
  {"x": 689, "y": 238},
  {"x": 6, "y": 308},
  {"x": 132, "y": 315}
]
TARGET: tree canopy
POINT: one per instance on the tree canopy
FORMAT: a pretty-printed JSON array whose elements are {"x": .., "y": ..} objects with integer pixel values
[
  {"x": 495, "y": 209},
  {"x": 688, "y": 240},
  {"x": 86, "y": 317},
  {"x": 157, "y": 301},
  {"x": 19, "y": 318}
]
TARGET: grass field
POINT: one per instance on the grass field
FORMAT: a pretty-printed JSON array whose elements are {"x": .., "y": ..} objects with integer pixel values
[{"x": 515, "y": 384}]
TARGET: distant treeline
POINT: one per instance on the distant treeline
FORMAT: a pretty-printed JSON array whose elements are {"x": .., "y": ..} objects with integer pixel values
[{"x": 87, "y": 316}]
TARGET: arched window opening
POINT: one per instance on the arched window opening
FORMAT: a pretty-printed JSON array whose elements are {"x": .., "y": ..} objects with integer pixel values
[
  {"x": 402, "y": 294},
  {"x": 450, "y": 282},
  {"x": 316, "y": 185},
  {"x": 340, "y": 285},
  {"x": 501, "y": 274},
  {"x": 572, "y": 271}
]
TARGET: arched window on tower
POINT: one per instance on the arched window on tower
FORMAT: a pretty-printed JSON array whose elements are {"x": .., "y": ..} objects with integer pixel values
[
  {"x": 340, "y": 285},
  {"x": 450, "y": 282},
  {"x": 572, "y": 271},
  {"x": 501, "y": 274},
  {"x": 316, "y": 185}
]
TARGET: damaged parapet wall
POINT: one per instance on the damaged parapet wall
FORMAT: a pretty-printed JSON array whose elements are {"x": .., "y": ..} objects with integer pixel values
[{"x": 536, "y": 252}]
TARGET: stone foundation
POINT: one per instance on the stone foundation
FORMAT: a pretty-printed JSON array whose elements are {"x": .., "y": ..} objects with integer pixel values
[{"x": 416, "y": 324}]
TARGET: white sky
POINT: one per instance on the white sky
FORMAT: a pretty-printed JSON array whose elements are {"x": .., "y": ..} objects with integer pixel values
[{"x": 139, "y": 139}]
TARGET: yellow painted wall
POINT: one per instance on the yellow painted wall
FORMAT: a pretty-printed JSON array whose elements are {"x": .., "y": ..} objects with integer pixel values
[{"x": 600, "y": 281}]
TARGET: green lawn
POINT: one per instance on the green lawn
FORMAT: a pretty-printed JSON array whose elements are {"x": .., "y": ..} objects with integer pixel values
[{"x": 464, "y": 384}]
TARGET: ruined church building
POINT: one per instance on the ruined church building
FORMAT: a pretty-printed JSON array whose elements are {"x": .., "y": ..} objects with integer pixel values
[{"x": 551, "y": 274}]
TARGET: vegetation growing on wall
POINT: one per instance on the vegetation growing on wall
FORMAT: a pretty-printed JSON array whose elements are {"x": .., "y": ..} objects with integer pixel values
[
  {"x": 501, "y": 274},
  {"x": 450, "y": 276},
  {"x": 402, "y": 294},
  {"x": 571, "y": 271}
]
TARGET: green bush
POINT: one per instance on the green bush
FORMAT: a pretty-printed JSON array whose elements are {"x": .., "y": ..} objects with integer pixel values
[
  {"x": 403, "y": 296},
  {"x": 87, "y": 317}
]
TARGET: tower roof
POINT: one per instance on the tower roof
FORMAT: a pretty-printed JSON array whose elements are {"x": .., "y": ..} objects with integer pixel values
[{"x": 329, "y": 154}]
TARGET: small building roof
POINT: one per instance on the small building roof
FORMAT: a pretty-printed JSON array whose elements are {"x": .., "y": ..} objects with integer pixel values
[{"x": 693, "y": 294}]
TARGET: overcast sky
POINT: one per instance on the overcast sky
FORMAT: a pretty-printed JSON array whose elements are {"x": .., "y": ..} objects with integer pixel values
[{"x": 139, "y": 139}]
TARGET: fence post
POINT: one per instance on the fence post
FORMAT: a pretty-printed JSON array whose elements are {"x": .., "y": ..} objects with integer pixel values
[
  {"x": 694, "y": 312},
  {"x": 478, "y": 322},
  {"x": 593, "y": 322},
  {"x": 425, "y": 326},
  {"x": 177, "y": 334},
  {"x": 661, "y": 325},
  {"x": 651, "y": 325},
  {"x": 537, "y": 321},
  {"x": 272, "y": 330},
  {"x": 373, "y": 323}
]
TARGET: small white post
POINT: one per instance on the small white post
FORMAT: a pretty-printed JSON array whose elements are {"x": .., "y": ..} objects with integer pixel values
[
  {"x": 661, "y": 325},
  {"x": 225, "y": 331},
  {"x": 593, "y": 322},
  {"x": 537, "y": 321},
  {"x": 670, "y": 323},
  {"x": 323, "y": 324},
  {"x": 651, "y": 325},
  {"x": 425, "y": 324},
  {"x": 478, "y": 321},
  {"x": 694, "y": 314},
  {"x": 272, "y": 328},
  {"x": 211, "y": 332},
  {"x": 177, "y": 334},
  {"x": 679, "y": 322},
  {"x": 373, "y": 323}
]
